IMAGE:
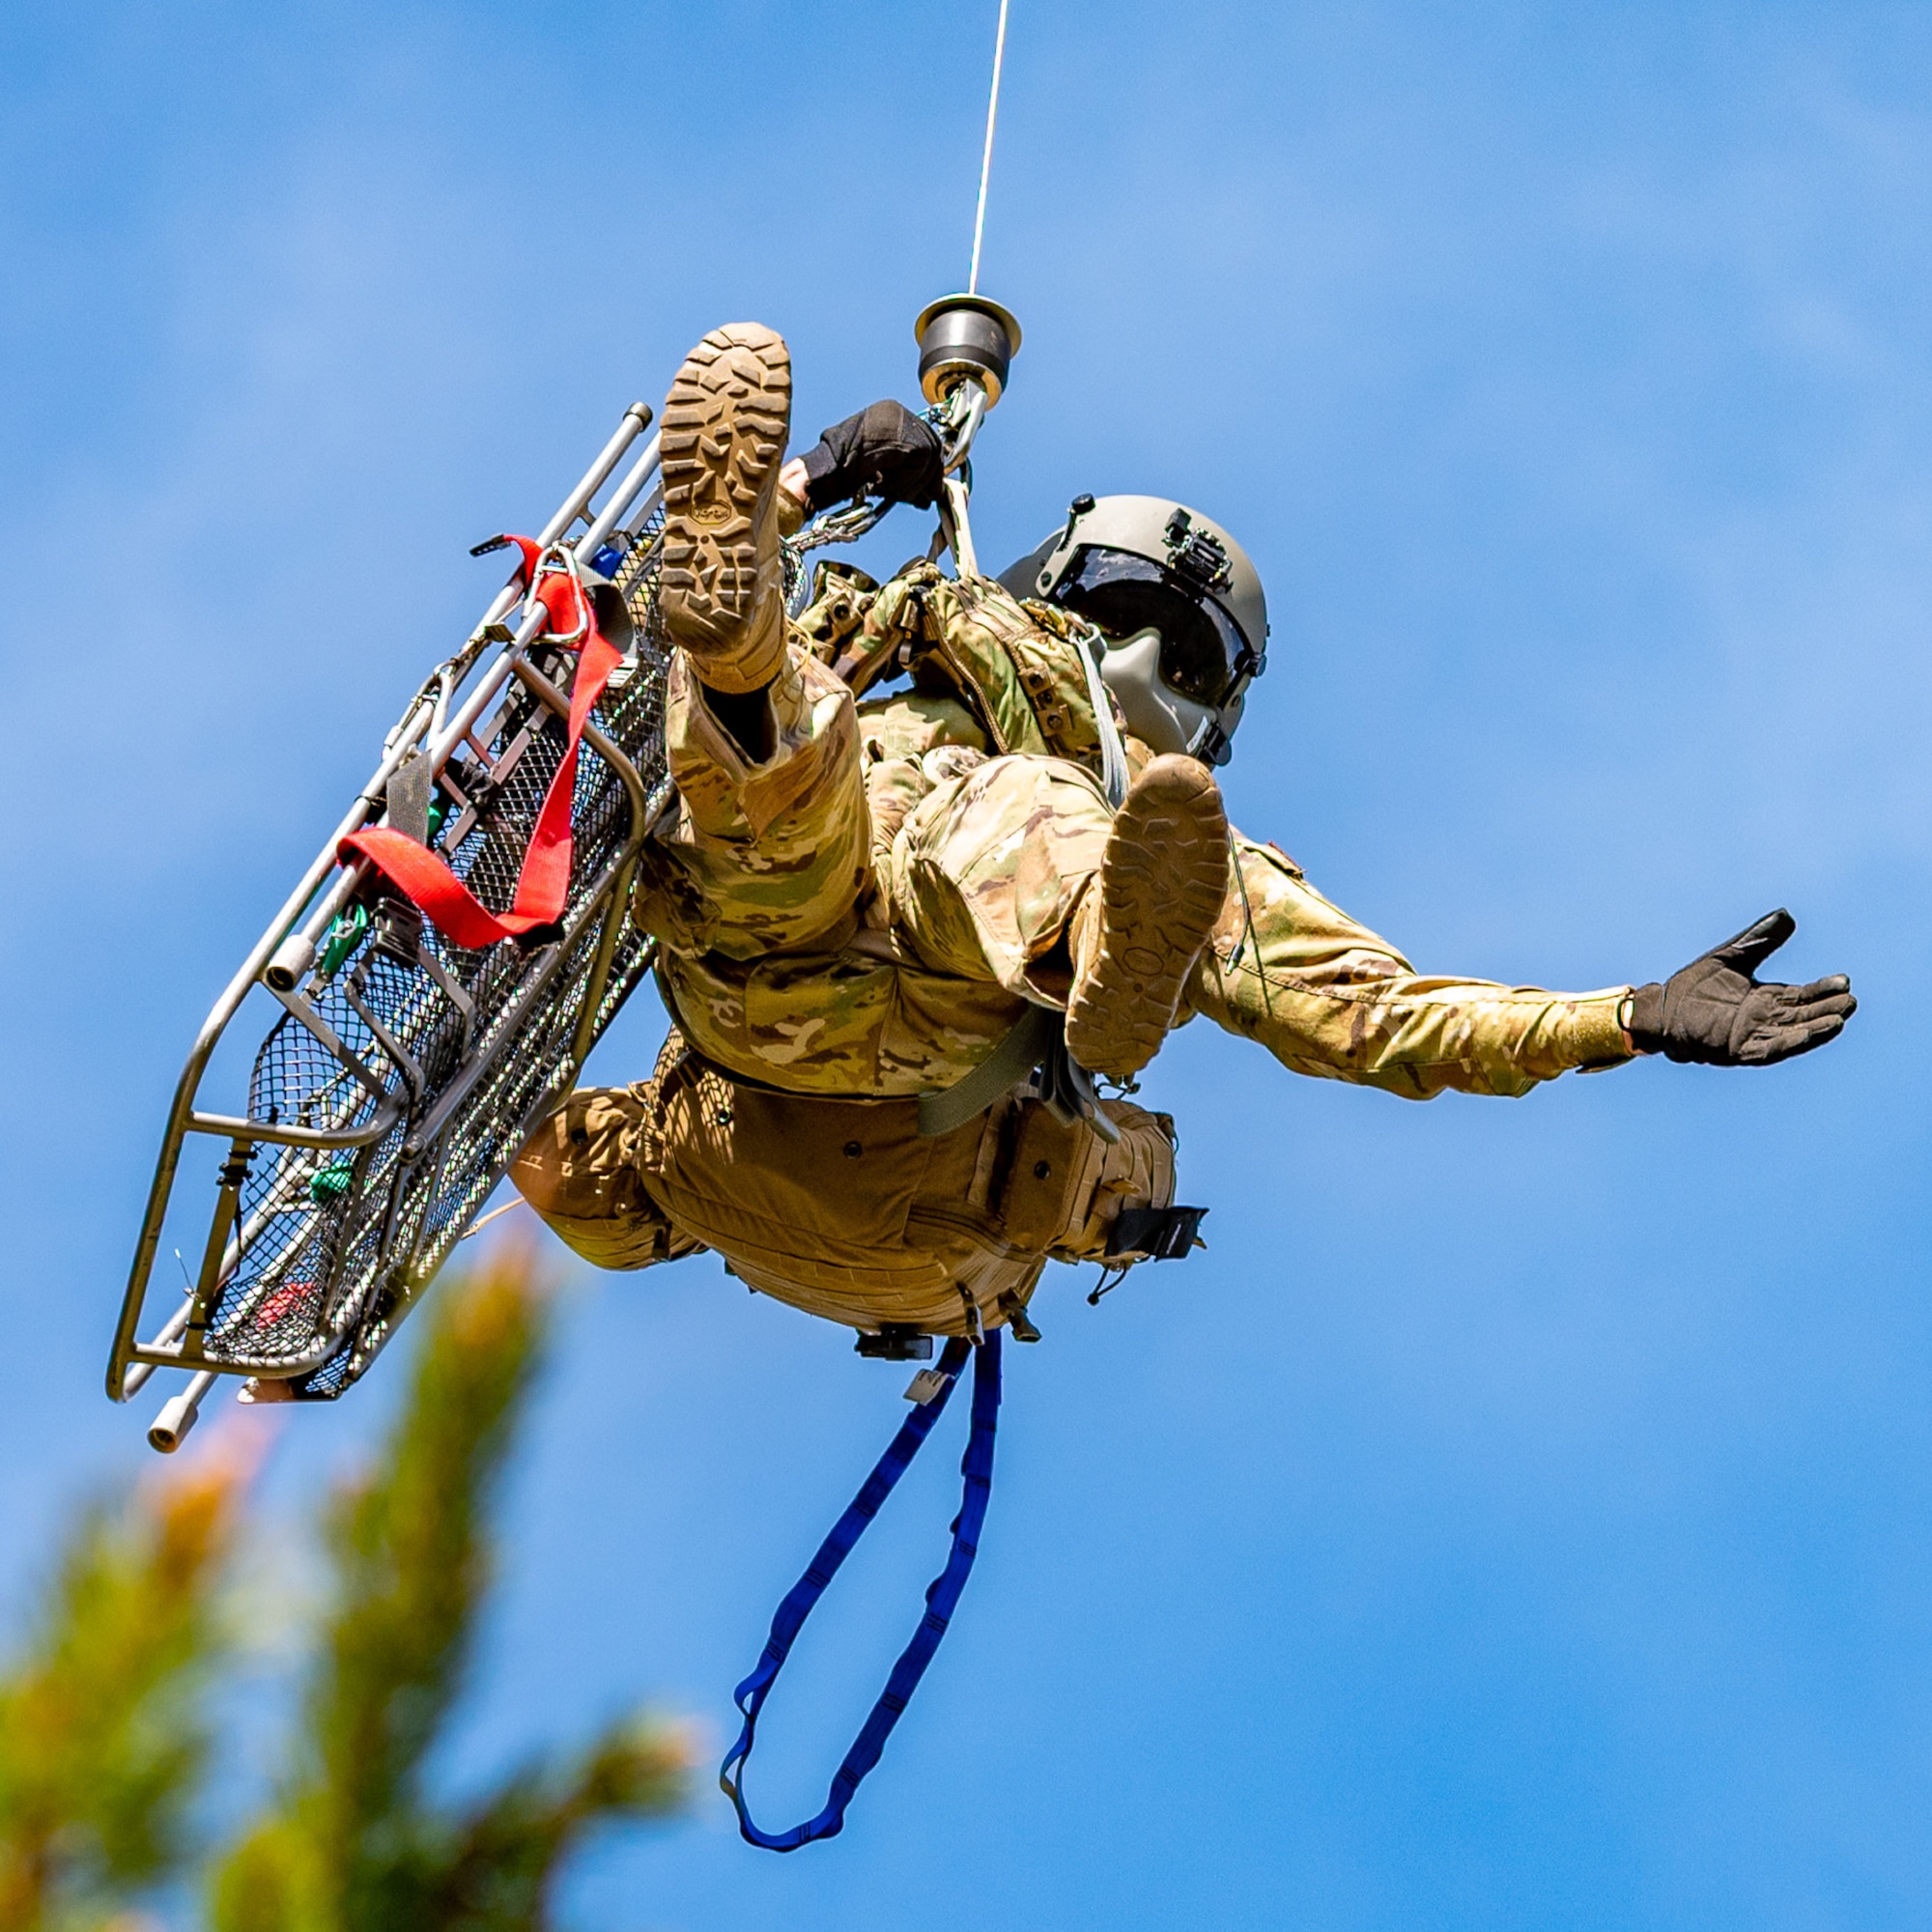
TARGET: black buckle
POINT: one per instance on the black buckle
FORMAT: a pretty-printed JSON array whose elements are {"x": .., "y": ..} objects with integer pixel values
[
  {"x": 896, "y": 1342},
  {"x": 1153, "y": 1235},
  {"x": 1067, "y": 1090}
]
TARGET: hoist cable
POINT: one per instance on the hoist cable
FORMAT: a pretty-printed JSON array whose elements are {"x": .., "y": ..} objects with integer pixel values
[{"x": 986, "y": 160}]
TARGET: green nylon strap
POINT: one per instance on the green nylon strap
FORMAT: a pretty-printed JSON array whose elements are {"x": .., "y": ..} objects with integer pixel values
[{"x": 1009, "y": 1063}]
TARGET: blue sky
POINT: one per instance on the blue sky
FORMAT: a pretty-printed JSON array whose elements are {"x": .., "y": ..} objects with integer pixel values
[{"x": 1520, "y": 1517}]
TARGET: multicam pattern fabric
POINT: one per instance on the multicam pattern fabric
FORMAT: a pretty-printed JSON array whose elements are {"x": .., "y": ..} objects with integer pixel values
[
  {"x": 868, "y": 912},
  {"x": 940, "y": 1235},
  {"x": 1327, "y": 997},
  {"x": 1017, "y": 665},
  {"x": 758, "y": 858},
  {"x": 986, "y": 871},
  {"x": 780, "y": 952},
  {"x": 864, "y": 915},
  {"x": 851, "y": 1022}
]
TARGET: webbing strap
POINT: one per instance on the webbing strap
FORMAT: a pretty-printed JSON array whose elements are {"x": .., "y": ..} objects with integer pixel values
[
  {"x": 1114, "y": 775},
  {"x": 1031, "y": 1038},
  {"x": 543, "y": 882},
  {"x": 941, "y": 1598}
]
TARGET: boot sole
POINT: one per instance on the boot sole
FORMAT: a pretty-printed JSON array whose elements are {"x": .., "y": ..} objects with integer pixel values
[
  {"x": 1164, "y": 877},
  {"x": 725, "y": 427}
]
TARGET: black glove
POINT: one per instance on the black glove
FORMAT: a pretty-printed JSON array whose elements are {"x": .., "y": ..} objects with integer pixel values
[
  {"x": 883, "y": 451},
  {"x": 1715, "y": 1011}
]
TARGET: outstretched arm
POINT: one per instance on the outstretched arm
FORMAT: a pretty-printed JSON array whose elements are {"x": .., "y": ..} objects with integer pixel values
[
  {"x": 1334, "y": 1000},
  {"x": 1327, "y": 997}
]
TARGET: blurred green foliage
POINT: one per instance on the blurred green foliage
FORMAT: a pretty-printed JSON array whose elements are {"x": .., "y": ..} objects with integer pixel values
[
  {"x": 104, "y": 1718},
  {"x": 103, "y": 1734}
]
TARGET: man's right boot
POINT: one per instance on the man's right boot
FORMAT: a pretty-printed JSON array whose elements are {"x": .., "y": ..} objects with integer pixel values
[
  {"x": 1143, "y": 921},
  {"x": 722, "y": 591}
]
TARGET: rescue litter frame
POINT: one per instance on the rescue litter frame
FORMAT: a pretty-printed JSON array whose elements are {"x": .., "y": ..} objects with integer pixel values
[{"x": 406, "y": 1071}]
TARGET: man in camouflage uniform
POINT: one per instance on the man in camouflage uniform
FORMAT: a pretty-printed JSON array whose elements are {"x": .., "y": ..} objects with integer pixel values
[{"x": 858, "y": 900}]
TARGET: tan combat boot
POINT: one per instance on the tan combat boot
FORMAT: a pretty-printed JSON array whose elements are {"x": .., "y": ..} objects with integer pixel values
[
  {"x": 1143, "y": 922},
  {"x": 725, "y": 427}
]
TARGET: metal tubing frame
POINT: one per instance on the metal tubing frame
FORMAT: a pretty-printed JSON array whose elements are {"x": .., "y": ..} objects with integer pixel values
[
  {"x": 188, "y": 1404},
  {"x": 609, "y": 896},
  {"x": 133, "y": 1362}
]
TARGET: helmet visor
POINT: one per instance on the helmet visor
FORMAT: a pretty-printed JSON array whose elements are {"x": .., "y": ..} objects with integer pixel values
[{"x": 1202, "y": 654}]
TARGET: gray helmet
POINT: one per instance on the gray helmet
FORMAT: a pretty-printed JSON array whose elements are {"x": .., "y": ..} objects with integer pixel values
[{"x": 1181, "y": 607}]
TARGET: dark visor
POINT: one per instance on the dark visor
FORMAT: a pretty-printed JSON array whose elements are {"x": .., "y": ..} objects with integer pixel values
[{"x": 1202, "y": 654}]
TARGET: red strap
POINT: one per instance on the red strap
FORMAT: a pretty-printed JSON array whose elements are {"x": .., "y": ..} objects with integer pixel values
[{"x": 543, "y": 884}]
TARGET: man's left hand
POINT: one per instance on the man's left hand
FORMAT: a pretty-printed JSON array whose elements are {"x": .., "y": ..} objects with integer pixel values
[{"x": 1716, "y": 1011}]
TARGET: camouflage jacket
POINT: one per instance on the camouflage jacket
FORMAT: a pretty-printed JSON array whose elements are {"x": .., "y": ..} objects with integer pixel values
[{"x": 848, "y": 1009}]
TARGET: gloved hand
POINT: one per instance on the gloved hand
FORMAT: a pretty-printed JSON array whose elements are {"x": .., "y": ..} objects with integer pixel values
[
  {"x": 883, "y": 451},
  {"x": 1716, "y": 1011}
]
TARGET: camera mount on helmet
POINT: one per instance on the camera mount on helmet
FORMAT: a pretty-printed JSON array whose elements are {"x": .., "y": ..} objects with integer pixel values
[{"x": 1196, "y": 557}]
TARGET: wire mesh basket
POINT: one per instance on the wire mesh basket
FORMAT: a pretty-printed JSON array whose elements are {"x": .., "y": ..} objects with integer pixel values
[{"x": 405, "y": 1072}]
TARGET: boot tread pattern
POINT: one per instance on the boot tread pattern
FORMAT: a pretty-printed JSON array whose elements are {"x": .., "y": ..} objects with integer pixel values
[
  {"x": 725, "y": 427},
  {"x": 1164, "y": 877}
]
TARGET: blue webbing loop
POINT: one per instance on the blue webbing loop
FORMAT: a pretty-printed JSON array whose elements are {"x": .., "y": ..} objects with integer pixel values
[{"x": 942, "y": 1595}]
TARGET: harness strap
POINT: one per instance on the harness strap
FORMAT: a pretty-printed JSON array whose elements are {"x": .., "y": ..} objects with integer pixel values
[
  {"x": 542, "y": 881},
  {"x": 942, "y": 1595},
  {"x": 1114, "y": 775},
  {"x": 1029, "y": 1041},
  {"x": 1038, "y": 1040}
]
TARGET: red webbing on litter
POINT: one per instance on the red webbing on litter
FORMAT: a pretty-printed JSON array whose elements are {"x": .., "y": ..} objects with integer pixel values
[{"x": 543, "y": 883}]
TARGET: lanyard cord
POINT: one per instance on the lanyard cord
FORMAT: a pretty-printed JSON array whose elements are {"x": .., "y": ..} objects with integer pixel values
[{"x": 942, "y": 1595}]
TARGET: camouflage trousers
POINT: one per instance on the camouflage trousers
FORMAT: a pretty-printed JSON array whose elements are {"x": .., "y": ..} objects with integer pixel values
[
  {"x": 834, "y": 921},
  {"x": 863, "y": 913}
]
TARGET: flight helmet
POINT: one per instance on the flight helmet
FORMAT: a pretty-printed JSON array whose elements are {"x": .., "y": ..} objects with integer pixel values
[{"x": 1178, "y": 604}]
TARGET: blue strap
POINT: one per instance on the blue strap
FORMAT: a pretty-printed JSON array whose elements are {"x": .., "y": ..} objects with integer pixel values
[{"x": 942, "y": 1595}]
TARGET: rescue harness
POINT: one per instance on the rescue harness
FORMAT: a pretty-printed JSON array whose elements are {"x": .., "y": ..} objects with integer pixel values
[{"x": 424, "y": 1033}]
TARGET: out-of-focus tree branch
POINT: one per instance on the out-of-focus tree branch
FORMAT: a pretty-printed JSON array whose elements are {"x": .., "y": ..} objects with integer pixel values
[
  {"x": 101, "y": 1733},
  {"x": 355, "y": 1842}
]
